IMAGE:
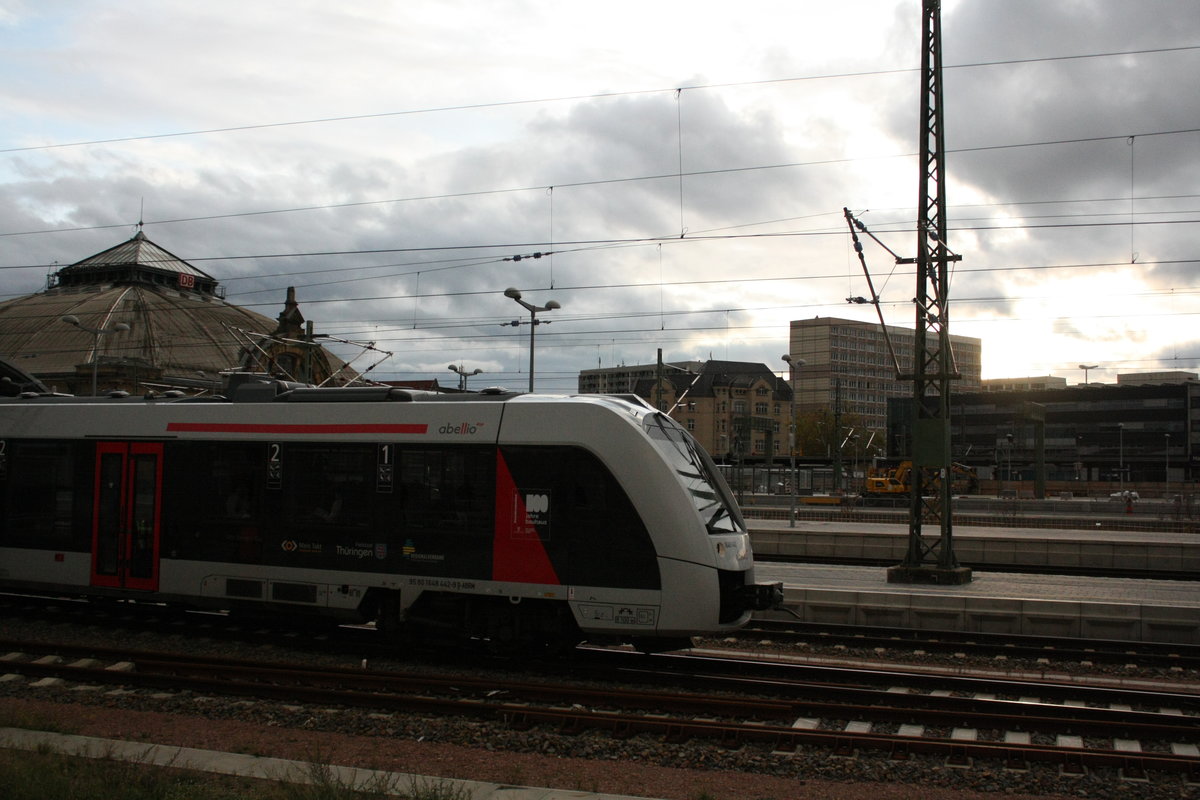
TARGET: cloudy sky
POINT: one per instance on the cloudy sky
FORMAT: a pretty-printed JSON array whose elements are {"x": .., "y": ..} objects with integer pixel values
[{"x": 685, "y": 170}]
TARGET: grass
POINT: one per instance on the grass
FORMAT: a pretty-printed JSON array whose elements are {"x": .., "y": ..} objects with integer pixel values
[
  {"x": 45, "y": 775},
  {"x": 48, "y": 776}
]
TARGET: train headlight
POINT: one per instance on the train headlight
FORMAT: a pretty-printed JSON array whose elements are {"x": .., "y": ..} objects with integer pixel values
[{"x": 720, "y": 548}]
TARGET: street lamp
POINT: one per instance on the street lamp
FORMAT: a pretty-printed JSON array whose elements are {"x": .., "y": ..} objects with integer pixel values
[
  {"x": 1167, "y": 462},
  {"x": 463, "y": 375},
  {"x": 96, "y": 333},
  {"x": 515, "y": 294},
  {"x": 1009, "y": 438},
  {"x": 1085, "y": 368},
  {"x": 793, "y": 365},
  {"x": 1121, "y": 456},
  {"x": 1079, "y": 456},
  {"x": 854, "y": 439}
]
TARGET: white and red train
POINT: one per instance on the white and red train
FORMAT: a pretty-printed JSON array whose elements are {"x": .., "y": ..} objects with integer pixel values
[{"x": 507, "y": 517}]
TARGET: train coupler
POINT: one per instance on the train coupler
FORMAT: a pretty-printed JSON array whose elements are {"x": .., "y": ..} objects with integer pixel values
[{"x": 764, "y": 596}]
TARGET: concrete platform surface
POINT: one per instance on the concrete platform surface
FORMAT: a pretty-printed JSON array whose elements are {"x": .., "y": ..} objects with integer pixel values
[
  {"x": 1127, "y": 609},
  {"x": 273, "y": 769},
  {"x": 1097, "y": 548},
  {"x": 1096, "y": 533}
]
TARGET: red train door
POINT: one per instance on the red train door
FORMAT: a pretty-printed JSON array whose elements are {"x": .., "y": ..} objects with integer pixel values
[{"x": 125, "y": 519}]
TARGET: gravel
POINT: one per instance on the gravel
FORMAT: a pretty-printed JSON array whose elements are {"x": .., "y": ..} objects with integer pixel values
[{"x": 485, "y": 750}]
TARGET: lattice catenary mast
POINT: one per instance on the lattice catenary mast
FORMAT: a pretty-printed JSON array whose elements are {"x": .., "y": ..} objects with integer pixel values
[{"x": 928, "y": 559}]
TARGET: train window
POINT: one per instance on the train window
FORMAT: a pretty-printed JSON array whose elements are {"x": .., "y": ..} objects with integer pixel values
[
  {"x": 450, "y": 490},
  {"x": 109, "y": 516},
  {"x": 212, "y": 498},
  {"x": 40, "y": 501},
  {"x": 598, "y": 538},
  {"x": 330, "y": 485},
  {"x": 705, "y": 486}
]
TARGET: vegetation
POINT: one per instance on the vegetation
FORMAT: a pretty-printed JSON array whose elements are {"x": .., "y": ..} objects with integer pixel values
[
  {"x": 48, "y": 776},
  {"x": 818, "y": 437},
  {"x": 45, "y": 775}
]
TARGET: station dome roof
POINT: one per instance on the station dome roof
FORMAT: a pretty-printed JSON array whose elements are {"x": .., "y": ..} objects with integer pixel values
[{"x": 181, "y": 332}]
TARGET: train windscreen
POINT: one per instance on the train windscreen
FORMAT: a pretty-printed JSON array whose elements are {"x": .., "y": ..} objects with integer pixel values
[{"x": 699, "y": 475}]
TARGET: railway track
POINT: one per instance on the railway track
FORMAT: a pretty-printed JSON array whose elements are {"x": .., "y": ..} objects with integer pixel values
[
  {"x": 729, "y": 702},
  {"x": 1044, "y": 653},
  {"x": 894, "y": 642}
]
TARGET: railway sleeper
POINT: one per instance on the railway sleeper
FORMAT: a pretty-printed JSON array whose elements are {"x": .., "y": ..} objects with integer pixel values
[
  {"x": 732, "y": 740},
  {"x": 959, "y": 758},
  {"x": 676, "y": 734},
  {"x": 517, "y": 720},
  {"x": 573, "y": 726},
  {"x": 1015, "y": 763},
  {"x": 1134, "y": 769},
  {"x": 1072, "y": 766},
  {"x": 623, "y": 729}
]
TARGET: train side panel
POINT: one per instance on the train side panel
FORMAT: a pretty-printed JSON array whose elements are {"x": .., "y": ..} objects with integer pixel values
[{"x": 326, "y": 508}]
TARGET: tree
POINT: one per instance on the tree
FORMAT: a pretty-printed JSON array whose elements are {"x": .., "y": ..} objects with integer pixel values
[{"x": 816, "y": 436}]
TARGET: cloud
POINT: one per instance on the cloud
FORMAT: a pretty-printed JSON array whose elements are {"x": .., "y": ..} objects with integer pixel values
[{"x": 407, "y": 220}]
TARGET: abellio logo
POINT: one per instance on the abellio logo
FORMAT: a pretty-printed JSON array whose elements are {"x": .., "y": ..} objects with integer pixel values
[{"x": 461, "y": 429}]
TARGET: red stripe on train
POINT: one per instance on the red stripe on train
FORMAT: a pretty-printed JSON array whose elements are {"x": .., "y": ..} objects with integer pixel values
[{"x": 329, "y": 428}]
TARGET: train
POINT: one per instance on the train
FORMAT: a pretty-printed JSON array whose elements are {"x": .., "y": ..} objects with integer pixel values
[{"x": 519, "y": 520}]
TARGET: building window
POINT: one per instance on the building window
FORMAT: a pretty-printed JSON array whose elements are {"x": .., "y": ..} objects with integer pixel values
[
  {"x": 691, "y": 424},
  {"x": 760, "y": 409}
]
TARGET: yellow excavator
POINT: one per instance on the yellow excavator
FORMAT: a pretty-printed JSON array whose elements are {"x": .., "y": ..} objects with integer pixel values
[{"x": 897, "y": 480}]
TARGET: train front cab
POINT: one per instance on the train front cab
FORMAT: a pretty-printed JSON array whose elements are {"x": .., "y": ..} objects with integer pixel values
[
  {"x": 714, "y": 511},
  {"x": 699, "y": 548}
]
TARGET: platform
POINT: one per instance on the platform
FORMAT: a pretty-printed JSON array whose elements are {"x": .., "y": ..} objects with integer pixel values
[
  {"x": 1126, "y": 609},
  {"x": 995, "y": 547}
]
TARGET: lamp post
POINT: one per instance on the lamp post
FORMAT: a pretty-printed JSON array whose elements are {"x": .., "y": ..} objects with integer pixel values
[
  {"x": 1079, "y": 456},
  {"x": 1085, "y": 368},
  {"x": 463, "y": 375},
  {"x": 96, "y": 333},
  {"x": 854, "y": 438},
  {"x": 793, "y": 365},
  {"x": 1009, "y": 438},
  {"x": 533, "y": 310},
  {"x": 1166, "y": 462},
  {"x": 1121, "y": 456}
]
